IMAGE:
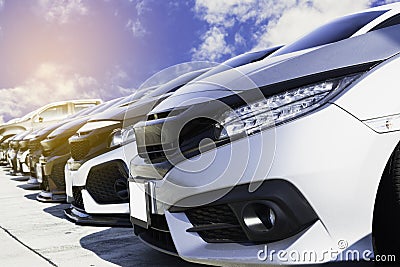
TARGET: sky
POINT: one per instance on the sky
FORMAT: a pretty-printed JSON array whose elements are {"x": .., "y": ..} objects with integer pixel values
[{"x": 52, "y": 50}]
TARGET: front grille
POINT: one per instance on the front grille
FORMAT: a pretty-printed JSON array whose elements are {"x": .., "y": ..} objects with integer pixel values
[
  {"x": 107, "y": 183},
  {"x": 14, "y": 146},
  {"x": 58, "y": 175},
  {"x": 158, "y": 234},
  {"x": 187, "y": 142},
  {"x": 216, "y": 224},
  {"x": 34, "y": 146},
  {"x": 78, "y": 200},
  {"x": 45, "y": 183},
  {"x": 79, "y": 149},
  {"x": 154, "y": 153}
]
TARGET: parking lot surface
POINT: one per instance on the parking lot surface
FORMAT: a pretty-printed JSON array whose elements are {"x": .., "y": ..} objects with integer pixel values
[{"x": 37, "y": 234}]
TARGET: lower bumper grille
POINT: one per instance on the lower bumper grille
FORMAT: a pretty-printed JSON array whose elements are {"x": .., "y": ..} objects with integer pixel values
[
  {"x": 58, "y": 175},
  {"x": 157, "y": 235},
  {"x": 45, "y": 184},
  {"x": 107, "y": 183},
  {"x": 216, "y": 224},
  {"x": 78, "y": 200}
]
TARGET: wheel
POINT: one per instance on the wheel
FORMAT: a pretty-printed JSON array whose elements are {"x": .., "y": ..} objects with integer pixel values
[{"x": 386, "y": 222}]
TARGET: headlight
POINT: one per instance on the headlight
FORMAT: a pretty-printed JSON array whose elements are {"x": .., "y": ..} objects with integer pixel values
[
  {"x": 280, "y": 108},
  {"x": 120, "y": 137},
  {"x": 116, "y": 138},
  {"x": 73, "y": 165},
  {"x": 12, "y": 153},
  {"x": 128, "y": 135}
]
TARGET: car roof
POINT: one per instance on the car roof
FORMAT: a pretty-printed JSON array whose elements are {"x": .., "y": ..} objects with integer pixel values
[{"x": 392, "y": 10}]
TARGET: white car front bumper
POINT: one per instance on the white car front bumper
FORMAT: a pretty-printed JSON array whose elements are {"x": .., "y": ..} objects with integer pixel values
[{"x": 79, "y": 178}]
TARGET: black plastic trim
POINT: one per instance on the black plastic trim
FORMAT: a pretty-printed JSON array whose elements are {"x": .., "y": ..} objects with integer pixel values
[
  {"x": 97, "y": 220},
  {"x": 293, "y": 212}
]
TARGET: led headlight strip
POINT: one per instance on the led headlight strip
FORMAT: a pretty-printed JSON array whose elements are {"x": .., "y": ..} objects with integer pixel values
[{"x": 281, "y": 107}]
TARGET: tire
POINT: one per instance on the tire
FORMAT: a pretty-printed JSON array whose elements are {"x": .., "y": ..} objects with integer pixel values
[{"x": 386, "y": 221}]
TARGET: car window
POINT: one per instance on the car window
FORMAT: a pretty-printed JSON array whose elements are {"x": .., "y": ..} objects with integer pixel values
[
  {"x": 86, "y": 111},
  {"x": 53, "y": 113},
  {"x": 82, "y": 106},
  {"x": 334, "y": 31}
]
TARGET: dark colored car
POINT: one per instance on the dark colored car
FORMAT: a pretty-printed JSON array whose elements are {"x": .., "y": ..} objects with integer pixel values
[
  {"x": 15, "y": 145},
  {"x": 35, "y": 148},
  {"x": 55, "y": 152}
]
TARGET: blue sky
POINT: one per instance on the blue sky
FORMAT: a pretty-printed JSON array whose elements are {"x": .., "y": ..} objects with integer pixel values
[{"x": 65, "y": 49}]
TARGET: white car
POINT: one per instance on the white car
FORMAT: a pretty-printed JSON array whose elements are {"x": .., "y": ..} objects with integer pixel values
[{"x": 292, "y": 159}]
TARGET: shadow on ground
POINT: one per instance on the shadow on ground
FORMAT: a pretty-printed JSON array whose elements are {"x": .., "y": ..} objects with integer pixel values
[
  {"x": 121, "y": 247},
  {"x": 20, "y": 178},
  {"x": 29, "y": 187},
  {"x": 31, "y": 196},
  {"x": 57, "y": 210}
]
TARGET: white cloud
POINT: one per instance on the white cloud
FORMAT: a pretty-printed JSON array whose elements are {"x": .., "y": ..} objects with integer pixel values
[
  {"x": 2, "y": 2},
  {"x": 113, "y": 78},
  {"x": 62, "y": 11},
  {"x": 301, "y": 18},
  {"x": 141, "y": 7},
  {"x": 239, "y": 39},
  {"x": 136, "y": 27},
  {"x": 49, "y": 83},
  {"x": 274, "y": 21},
  {"x": 213, "y": 46},
  {"x": 224, "y": 12}
]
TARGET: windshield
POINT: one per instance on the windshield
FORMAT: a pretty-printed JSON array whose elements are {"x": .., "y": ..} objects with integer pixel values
[
  {"x": 82, "y": 112},
  {"x": 150, "y": 87},
  {"x": 28, "y": 116},
  {"x": 334, "y": 31},
  {"x": 107, "y": 105}
]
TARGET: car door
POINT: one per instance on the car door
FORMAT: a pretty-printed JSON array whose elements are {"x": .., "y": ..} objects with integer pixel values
[{"x": 50, "y": 115}]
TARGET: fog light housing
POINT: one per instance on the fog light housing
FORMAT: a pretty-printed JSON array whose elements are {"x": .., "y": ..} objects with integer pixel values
[
  {"x": 270, "y": 220},
  {"x": 259, "y": 217}
]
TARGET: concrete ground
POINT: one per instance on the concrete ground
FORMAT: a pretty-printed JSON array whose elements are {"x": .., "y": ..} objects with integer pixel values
[{"x": 37, "y": 234}]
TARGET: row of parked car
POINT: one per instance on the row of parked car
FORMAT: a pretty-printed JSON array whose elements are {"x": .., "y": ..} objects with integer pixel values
[{"x": 290, "y": 149}]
